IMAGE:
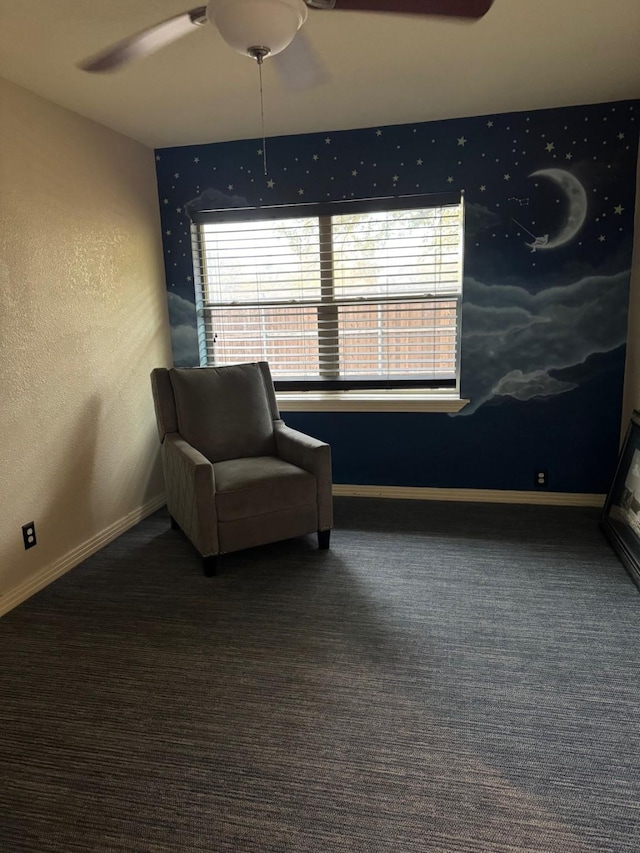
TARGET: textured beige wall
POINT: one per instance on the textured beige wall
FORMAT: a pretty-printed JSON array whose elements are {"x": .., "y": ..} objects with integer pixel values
[{"x": 82, "y": 322}]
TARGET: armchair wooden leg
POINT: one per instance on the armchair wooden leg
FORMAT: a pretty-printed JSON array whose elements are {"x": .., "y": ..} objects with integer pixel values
[
  {"x": 210, "y": 566},
  {"x": 174, "y": 523},
  {"x": 323, "y": 539}
]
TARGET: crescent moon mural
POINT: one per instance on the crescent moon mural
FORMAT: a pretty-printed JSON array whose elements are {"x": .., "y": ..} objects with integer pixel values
[{"x": 577, "y": 198}]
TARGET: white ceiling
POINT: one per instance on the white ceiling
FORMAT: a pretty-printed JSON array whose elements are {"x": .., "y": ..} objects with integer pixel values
[{"x": 385, "y": 69}]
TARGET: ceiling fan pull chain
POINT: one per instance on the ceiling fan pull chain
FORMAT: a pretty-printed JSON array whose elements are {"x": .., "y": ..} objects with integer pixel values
[
  {"x": 258, "y": 53},
  {"x": 264, "y": 141}
]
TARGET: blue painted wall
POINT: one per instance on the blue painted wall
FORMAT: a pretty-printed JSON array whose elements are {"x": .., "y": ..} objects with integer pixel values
[{"x": 549, "y": 229}]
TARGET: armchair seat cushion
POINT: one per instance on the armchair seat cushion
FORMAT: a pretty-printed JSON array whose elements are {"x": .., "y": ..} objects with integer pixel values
[{"x": 260, "y": 485}]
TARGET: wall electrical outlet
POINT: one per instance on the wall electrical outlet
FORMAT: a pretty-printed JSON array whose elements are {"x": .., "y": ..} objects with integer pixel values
[
  {"x": 541, "y": 478},
  {"x": 29, "y": 535}
]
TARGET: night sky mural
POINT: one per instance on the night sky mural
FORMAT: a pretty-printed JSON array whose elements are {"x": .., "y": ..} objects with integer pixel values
[{"x": 549, "y": 231}]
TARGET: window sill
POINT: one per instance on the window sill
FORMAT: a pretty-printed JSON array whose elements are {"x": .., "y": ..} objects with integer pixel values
[{"x": 368, "y": 401}]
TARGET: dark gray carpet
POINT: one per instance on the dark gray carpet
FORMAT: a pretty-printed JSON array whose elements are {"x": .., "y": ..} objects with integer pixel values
[{"x": 449, "y": 677}]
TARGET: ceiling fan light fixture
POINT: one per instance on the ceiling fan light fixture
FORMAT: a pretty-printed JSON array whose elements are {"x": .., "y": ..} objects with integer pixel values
[{"x": 270, "y": 25}]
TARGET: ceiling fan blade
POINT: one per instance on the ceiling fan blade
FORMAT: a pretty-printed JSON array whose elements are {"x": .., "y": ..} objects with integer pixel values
[
  {"x": 146, "y": 42},
  {"x": 447, "y": 8},
  {"x": 299, "y": 66}
]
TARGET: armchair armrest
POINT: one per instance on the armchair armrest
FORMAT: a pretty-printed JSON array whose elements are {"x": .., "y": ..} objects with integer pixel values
[
  {"x": 314, "y": 456},
  {"x": 190, "y": 486}
]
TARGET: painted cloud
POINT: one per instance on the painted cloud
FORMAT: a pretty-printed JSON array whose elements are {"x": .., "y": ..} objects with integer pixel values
[
  {"x": 524, "y": 386},
  {"x": 184, "y": 333},
  {"x": 512, "y": 339}
]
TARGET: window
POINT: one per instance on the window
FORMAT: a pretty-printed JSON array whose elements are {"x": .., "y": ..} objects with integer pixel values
[{"x": 342, "y": 296}]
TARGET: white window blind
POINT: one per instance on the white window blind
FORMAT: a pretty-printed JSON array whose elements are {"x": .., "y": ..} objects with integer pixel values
[{"x": 343, "y": 296}]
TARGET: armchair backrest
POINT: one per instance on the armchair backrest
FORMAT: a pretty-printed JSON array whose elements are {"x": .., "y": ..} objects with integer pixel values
[{"x": 224, "y": 412}]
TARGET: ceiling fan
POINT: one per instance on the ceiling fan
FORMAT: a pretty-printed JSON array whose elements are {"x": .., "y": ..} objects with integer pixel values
[{"x": 261, "y": 28}]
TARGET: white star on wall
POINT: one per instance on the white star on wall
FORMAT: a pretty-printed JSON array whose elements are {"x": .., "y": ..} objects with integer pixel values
[
  {"x": 507, "y": 177},
  {"x": 271, "y": 184},
  {"x": 549, "y": 146},
  {"x": 462, "y": 141},
  {"x": 618, "y": 209},
  {"x": 230, "y": 187},
  {"x": 483, "y": 188},
  {"x": 419, "y": 161}
]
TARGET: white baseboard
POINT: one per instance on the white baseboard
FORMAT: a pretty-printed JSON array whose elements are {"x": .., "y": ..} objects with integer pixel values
[
  {"x": 73, "y": 558},
  {"x": 420, "y": 493}
]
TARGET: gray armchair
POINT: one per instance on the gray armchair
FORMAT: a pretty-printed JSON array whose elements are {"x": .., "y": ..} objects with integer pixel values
[{"x": 236, "y": 476}]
